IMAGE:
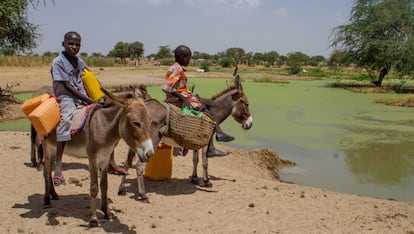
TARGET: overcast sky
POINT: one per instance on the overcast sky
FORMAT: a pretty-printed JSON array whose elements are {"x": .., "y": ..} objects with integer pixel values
[{"x": 209, "y": 26}]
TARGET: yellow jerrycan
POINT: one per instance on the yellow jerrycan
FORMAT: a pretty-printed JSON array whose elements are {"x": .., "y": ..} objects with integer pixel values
[{"x": 92, "y": 85}]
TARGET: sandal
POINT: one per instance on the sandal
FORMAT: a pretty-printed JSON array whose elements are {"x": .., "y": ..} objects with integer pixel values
[
  {"x": 58, "y": 180},
  {"x": 117, "y": 171}
]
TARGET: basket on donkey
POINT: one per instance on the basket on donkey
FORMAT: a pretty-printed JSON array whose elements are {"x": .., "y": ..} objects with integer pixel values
[{"x": 190, "y": 131}]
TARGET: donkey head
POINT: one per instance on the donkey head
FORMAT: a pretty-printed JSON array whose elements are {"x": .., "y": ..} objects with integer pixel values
[
  {"x": 240, "y": 111},
  {"x": 135, "y": 127}
]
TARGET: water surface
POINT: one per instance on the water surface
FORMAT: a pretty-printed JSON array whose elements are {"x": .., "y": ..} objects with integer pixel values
[{"x": 340, "y": 140}]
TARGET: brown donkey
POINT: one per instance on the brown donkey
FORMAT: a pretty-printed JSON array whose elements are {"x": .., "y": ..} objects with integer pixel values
[{"x": 124, "y": 118}]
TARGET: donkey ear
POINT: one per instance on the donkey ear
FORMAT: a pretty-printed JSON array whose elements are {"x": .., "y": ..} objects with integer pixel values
[
  {"x": 115, "y": 98},
  {"x": 237, "y": 83},
  {"x": 235, "y": 70},
  {"x": 228, "y": 83},
  {"x": 138, "y": 93}
]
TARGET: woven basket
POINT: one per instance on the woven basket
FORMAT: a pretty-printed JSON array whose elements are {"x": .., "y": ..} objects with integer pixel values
[{"x": 190, "y": 131}]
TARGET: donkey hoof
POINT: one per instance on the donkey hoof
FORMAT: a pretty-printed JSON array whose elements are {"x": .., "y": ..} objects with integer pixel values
[
  {"x": 93, "y": 222},
  {"x": 144, "y": 200},
  {"x": 109, "y": 217},
  {"x": 47, "y": 206},
  {"x": 194, "y": 180},
  {"x": 55, "y": 196},
  {"x": 206, "y": 184},
  {"x": 121, "y": 192}
]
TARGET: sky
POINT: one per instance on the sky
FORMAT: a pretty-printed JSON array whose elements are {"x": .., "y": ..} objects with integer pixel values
[{"x": 209, "y": 26}]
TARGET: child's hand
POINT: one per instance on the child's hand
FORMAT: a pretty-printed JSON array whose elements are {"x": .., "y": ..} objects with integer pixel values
[
  {"x": 186, "y": 103},
  {"x": 90, "y": 101}
]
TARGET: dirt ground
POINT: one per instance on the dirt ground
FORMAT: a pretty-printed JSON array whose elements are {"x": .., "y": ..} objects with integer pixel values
[{"x": 245, "y": 197}]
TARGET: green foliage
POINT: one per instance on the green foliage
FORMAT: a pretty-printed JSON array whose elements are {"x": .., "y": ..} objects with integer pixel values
[
  {"x": 166, "y": 61},
  {"x": 271, "y": 57},
  {"x": 338, "y": 58},
  {"x": 164, "y": 52},
  {"x": 93, "y": 61},
  {"x": 137, "y": 49},
  {"x": 120, "y": 50},
  {"x": 316, "y": 60},
  {"x": 83, "y": 54},
  {"x": 17, "y": 34},
  {"x": 50, "y": 54},
  {"x": 365, "y": 76},
  {"x": 294, "y": 68},
  {"x": 226, "y": 62},
  {"x": 237, "y": 54},
  {"x": 380, "y": 35},
  {"x": 25, "y": 61},
  {"x": 200, "y": 55},
  {"x": 295, "y": 61},
  {"x": 205, "y": 65},
  {"x": 125, "y": 50},
  {"x": 316, "y": 72}
]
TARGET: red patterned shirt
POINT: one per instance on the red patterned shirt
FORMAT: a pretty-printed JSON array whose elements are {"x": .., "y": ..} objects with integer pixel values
[{"x": 176, "y": 81}]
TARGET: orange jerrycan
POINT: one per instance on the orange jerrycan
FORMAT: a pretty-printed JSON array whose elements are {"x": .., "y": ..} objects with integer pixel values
[
  {"x": 46, "y": 116},
  {"x": 159, "y": 167},
  {"x": 29, "y": 105}
]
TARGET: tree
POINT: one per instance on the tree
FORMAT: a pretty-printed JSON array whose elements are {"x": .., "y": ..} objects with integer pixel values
[
  {"x": 338, "y": 58},
  {"x": 379, "y": 36},
  {"x": 120, "y": 51},
  {"x": 258, "y": 58},
  {"x": 84, "y": 54},
  {"x": 236, "y": 53},
  {"x": 295, "y": 61},
  {"x": 136, "y": 49},
  {"x": 316, "y": 60},
  {"x": 164, "y": 52},
  {"x": 17, "y": 34},
  {"x": 271, "y": 58}
]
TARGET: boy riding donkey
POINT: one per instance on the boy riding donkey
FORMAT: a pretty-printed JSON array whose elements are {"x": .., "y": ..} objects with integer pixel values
[
  {"x": 68, "y": 88},
  {"x": 175, "y": 88}
]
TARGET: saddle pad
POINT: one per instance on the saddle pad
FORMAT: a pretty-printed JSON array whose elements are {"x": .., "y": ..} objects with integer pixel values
[{"x": 79, "y": 118}]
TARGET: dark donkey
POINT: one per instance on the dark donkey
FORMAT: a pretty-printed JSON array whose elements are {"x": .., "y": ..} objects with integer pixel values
[
  {"x": 231, "y": 101},
  {"x": 122, "y": 117}
]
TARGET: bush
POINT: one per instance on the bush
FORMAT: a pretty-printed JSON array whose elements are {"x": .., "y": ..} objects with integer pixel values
[
  {"x": 317, "y": 72},
  {"x": 205, "y": 65},
  {"x": 166, "y": 61},
  {"x": 100, "y": 61},
  {"x": 226, "y": 62},
  {"x": 294, "y": 69},
  {"x": 365, "y": 76}
]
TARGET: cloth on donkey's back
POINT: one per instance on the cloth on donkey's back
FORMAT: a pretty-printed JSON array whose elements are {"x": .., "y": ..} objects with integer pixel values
[{"x": 79, "y": 118}]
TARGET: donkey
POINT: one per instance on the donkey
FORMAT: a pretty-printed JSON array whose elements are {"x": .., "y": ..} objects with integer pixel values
[
  {"x": 231, "y": 101},
  {"x": 123, "y": 117}
]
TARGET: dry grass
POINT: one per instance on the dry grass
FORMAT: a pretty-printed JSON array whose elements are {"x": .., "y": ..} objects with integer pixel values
[{"x": 406, "y": 101}]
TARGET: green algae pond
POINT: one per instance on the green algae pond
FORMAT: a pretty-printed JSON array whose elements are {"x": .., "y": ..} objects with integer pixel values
[{"x": 340, "y": 140}]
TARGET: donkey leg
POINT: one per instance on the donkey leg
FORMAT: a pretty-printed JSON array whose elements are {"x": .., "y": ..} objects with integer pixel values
[
  {"x": 206, "y": 181},
  {"x": 39, "y": 154},
  {"x": 194, "y": 178},
  {"x": 47, "y": 175},
  {"x": 104, "y": 194},
  {"x": 127, "y": 165},
  {"x": 33, "y": 148},
  {"x": 94, "y": 189},
  {"x": 140, "y": 178}
]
